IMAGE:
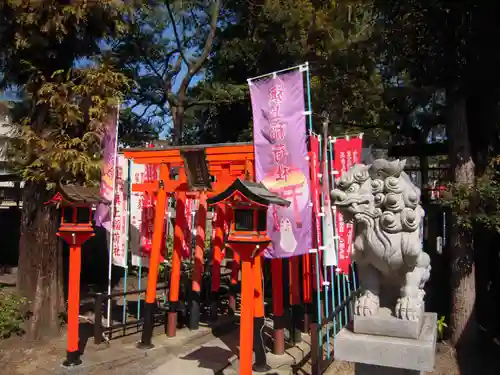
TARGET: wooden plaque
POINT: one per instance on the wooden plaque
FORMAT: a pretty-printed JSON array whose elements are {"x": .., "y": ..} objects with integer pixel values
[{"x": 196, "y": 169}]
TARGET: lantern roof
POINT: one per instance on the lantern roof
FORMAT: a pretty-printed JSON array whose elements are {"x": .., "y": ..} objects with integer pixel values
[
  {"x": 77, "y": 194},
  {"x": 253, "y": 191}
]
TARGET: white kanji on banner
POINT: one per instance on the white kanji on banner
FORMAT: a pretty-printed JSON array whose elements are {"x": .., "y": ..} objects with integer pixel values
[{"x": 119, "y": 232}]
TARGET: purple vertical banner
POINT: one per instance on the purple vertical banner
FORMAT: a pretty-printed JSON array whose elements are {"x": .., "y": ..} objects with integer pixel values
[
  {"x": 110, "y": 139},
  {"x": 279, "y": 133}
]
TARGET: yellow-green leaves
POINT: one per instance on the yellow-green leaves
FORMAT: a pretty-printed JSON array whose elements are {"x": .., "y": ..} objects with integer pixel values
[{"x": 52, "y": 50}]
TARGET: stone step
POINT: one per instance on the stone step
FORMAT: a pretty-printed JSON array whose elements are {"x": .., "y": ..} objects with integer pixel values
[{"x": 280, "y": 364}]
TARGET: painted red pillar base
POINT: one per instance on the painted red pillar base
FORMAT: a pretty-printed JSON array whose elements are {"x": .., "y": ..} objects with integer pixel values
[
  {"x": 259, "y": 348},
  {"x": 75, "y": 241},
  {"x": 247, "y": 253},
  {"x": 278, "y": 311},
  {"x": 246, "y": 317}
]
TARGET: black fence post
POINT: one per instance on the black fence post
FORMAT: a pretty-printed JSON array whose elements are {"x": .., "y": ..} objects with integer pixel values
[
  {"x": 315, "y": 349},
  {"x": 98, "y": 318}
]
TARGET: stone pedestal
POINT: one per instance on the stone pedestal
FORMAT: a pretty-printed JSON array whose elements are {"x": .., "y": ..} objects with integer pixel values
[
  {"x": 374, "y": 354},
  {"x": 385, "y": 324}
]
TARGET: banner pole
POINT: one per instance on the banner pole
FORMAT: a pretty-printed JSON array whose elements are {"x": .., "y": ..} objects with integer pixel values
[
  {"x": 139, "y": 258},
  {"x": 111, "y": 242},
  {"x": 355, "y": 285},
  {"x": 329, "y": 176},
  {"x": 127, "y": 231},
  {"x": 275, "y": 72},
  {"x": 315, "y": 242},
  {"x": 328, "y": 220},
  {"x": 309, "y": 105},
  {"x": 318, "y": 270},
  {"x": 322, "y": 246},
  {"x": 345, "y": 279},
  {"x": 336, "y": 237}
]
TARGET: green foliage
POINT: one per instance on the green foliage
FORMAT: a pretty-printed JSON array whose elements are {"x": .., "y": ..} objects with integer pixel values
[
  {"x": 477, "y": 204},
  {"x": 50, "y": 51},
  {"x": 434, "y": 46},
  {"x": 66, "y": 143},
  {"x": 436, "y": 42},
  {"x": 48, "y": 36},
  {"x": 441, "y": 327},
  {"x": 337, "y": 38},
  {"x": 187, "y": 264},
  {"x": 12, "y": 314}
]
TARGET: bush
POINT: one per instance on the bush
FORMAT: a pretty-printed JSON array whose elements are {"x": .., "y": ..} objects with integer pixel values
[
  {"x": 11, "y": 314},
  {"x": 477, "y": 205}
]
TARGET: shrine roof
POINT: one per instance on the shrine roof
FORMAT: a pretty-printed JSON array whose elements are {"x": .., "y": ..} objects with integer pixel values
[
  {"x": 255, "y": 191},
  {"x": 78, "y": 194}
]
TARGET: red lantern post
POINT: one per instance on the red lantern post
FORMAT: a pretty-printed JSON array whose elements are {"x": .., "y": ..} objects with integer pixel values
[
  {"x": 248, "y": 237},
  {"x": 76, "y": 203}
]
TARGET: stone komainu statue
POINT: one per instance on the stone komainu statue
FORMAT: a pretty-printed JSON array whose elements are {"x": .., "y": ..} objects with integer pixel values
[{"x": 385, "y": 207}]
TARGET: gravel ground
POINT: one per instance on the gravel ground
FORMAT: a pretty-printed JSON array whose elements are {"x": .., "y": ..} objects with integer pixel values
[{"x": 17, "y": 357}]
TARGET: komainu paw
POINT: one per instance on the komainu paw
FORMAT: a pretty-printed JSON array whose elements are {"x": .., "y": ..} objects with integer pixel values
[
  {"x": 367, "y": 305},
  {"x": 408, "y": 308}
]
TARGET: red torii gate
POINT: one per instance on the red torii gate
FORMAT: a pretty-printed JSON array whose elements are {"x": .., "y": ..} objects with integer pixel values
[{"x": 225, "y": 163}]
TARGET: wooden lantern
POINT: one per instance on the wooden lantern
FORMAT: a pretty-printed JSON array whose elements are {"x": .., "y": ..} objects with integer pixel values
[
  {"x": 248, "y": 236},
  {"x": 249, "y": 202},
  {"x": 76, "y": 204}
]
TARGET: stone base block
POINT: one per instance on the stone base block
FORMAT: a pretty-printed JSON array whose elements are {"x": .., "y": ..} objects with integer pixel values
[
  {"x": 395, "y": 352},
  {"x": 385, "y": 324}
]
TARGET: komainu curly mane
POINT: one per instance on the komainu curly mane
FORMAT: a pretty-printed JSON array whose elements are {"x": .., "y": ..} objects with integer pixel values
[{"x": 385, "y": 207}]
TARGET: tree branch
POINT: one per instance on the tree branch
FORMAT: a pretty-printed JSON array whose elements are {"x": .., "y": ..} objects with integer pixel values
[
  {"x": 195, "y": 68},
  {"x": 207, "y": 102},
  {"x": 167, "y": 59},
  {"x": 198, "y": 63},
  {"x": 147, "y": 61},
  {"x": 168, "y": 77},
  {"x": 180, "y": 45}
]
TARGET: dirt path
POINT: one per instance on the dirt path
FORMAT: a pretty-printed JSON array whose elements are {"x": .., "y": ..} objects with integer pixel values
[{"x": 18, "y": 357}]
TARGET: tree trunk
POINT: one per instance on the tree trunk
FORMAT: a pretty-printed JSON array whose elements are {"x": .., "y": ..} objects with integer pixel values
[
  {"x": 462, "y": 320},
  {"x": 178, "y": 125},
  {"x": 40, "y": 272}
]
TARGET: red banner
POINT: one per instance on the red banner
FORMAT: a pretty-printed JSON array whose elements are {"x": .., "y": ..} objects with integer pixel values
[
  {"x": 347, "y": 152},
  {"x": 315, "y": 195},
  {"x": 148, "y": 212},
  {"x": 188, "y": 214},
  {"x": 314, "y": 159},
  {"x": 148, "y": 215}
]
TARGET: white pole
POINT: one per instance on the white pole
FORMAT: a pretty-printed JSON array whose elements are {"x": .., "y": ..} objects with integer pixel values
[
  {"x": 110, "y": 262},
  {"x": 301, "y": 66}
]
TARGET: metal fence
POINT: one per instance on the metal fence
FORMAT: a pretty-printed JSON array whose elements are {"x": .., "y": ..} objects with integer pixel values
[{"x": 127, "y": 306}]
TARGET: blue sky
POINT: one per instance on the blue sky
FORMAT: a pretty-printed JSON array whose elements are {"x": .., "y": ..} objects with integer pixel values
[
  {"x": 11, "y": 95},
  {"x": 140, "y": 109}
]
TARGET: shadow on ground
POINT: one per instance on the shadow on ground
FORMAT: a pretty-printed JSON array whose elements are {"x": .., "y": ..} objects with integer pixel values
[
  {"x": 209, "y": 357},
  {"x": 481, "y": 357}
]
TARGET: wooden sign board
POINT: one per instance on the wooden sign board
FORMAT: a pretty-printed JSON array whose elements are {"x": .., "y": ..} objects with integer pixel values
[{"x": 196, "y": 169}]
